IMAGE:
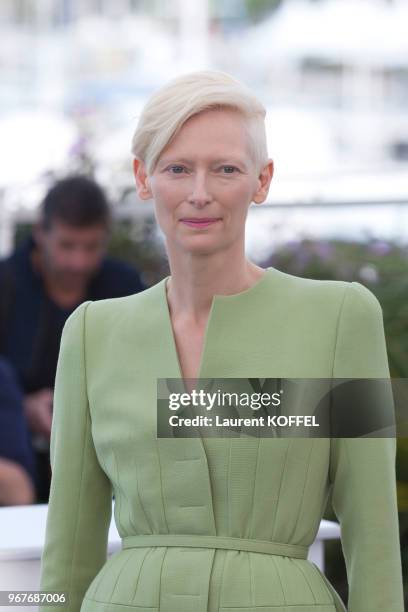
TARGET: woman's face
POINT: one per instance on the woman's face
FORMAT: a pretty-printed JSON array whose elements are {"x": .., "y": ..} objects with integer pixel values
[{"x": 205, "y": 173}]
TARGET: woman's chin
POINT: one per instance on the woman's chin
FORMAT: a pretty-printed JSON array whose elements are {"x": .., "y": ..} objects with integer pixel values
[{"x": 201, "y": 245}]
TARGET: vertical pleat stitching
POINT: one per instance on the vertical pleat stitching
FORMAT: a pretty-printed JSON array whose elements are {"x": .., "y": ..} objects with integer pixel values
[
  {"x": 160, "y": 579},
  {"x": 161, "y": 484},
  {"x": 274, "y": 523},
  {"x": 126, "y": 499},
  {"x": 129, "y": 508},
  {"x": 94, "y": 590},
  {"x": 148, "y": 551},
  {"x": 255, "y": 480},
  {"x": 279, "y": 578},
  {"x": 216, "y": 582},
  {"x": 299, "y": 567},
  {"x": 219, "y": 605},
  {"x": 228, "y": 486},
  {"x": 211, "y": 507},
  {"x": 120, "y": 496},
  {"x": 140, "y": 499},
  {"x": 251, "y": 581},
  {"x": 113, "y": 562},
  {"x": 323, "y": 579},
  {"x": 302, "y": 499},
  {"x": 128, "y": 557}
]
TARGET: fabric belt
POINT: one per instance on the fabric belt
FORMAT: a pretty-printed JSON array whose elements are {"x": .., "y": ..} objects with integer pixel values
[{"x": 210, "y": 541}]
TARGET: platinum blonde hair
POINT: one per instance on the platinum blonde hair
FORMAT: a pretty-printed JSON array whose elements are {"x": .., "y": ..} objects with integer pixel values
[{"x": 189, "y": 94}]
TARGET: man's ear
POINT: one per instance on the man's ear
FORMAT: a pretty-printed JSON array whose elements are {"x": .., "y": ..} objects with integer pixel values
[
  {"x": 264, "y": 181},
  {"x": 141, "y": 178}
]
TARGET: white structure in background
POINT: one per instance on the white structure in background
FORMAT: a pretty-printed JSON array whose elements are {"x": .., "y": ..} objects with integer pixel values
[
  {"x": 91, "y": 62},
  {"x": 132, "y": 44},
  {"x": 33, "y": 142},
  {"x": 347, "y": 55},
  {"x": 326, "y": 70},
  {"x": 329, "y": 70},
  {"x": 194, "y": 23},
  {"x": 354, "y": 32}
]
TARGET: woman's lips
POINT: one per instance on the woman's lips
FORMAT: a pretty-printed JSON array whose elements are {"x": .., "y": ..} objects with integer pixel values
[{"x": 199, "y": 222}]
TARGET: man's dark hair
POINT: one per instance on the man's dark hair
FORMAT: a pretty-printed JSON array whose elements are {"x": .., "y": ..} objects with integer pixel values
[{"x": 78, "y": 201}]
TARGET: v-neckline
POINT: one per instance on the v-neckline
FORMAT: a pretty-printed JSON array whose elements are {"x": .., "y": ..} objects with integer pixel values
[{"x": 231, "y": 298}]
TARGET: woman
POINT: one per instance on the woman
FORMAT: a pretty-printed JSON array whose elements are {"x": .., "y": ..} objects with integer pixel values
[{"x": 213, "y": 524}]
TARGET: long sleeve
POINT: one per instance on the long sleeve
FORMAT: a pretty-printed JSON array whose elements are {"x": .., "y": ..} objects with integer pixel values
[
  {"x": 362, "y": 470},
  {"x": 80, "y": 501}
]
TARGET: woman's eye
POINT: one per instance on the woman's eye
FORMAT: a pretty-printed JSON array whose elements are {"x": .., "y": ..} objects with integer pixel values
[{"x": 177, "y": 168}]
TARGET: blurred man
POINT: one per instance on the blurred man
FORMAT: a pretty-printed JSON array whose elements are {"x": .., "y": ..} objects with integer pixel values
[
  {"x": 60, "y": 265},
  {"x": 17, "y": 462}
]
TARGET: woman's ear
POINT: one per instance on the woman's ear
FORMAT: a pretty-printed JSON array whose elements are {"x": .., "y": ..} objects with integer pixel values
[
  {"x": 264, "y": 181},
  {"x": 142, "y": 181}
]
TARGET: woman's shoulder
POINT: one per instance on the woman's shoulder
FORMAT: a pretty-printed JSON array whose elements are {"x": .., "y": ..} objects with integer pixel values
[
  {"x": 339, "y": 289},
  {"x": 132, "y": 302},
  {"x": 310, "y": 295},
  {"x": 293, "y": 287},
  {"x": 118, "y": 315}
]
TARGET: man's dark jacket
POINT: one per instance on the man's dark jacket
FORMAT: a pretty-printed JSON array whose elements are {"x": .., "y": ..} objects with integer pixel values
[
  {"x": 30, "y": 333},
  {"x": 31, "y": 323}
]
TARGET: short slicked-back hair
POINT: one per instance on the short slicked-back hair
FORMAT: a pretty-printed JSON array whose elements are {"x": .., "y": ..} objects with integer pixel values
[
  {"x": 76, "y": 200},
  {"x": 189, "y": 94}
]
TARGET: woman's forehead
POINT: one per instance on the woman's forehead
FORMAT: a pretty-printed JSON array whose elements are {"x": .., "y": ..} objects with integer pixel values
[{"x": 224, "y": 140}]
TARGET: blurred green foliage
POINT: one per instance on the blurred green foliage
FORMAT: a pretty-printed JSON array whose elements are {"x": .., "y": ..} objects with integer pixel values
[
  {"x": 258, "y": 9},
  {"x": 138, "y": 244}
]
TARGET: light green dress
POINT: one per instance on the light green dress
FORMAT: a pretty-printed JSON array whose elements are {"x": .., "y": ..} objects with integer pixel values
[{"x": 216, "y": 524}]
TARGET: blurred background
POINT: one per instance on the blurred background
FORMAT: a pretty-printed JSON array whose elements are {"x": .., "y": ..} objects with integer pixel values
[{"x": 333, "y": 75}]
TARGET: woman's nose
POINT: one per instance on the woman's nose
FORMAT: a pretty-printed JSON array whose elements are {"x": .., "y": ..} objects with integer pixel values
[{"x": 200, "y": 193}]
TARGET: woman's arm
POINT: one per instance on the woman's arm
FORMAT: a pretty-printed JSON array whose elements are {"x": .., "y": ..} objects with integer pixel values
[
  {"x": 80, "y": 501},
  {"x": 362, "y": 470}
]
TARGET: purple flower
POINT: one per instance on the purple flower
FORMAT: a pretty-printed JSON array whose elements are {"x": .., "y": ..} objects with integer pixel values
[
  {"x": 323, "y": 249},
  {"x": 380, "y": 247}
]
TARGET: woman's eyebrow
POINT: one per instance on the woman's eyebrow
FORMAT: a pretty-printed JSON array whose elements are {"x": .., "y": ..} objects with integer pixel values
[
  {"x": 167, "y": 160},
  {"x": 229, "y": 159},
  {"x": 184, "y": 160}
]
